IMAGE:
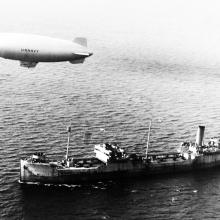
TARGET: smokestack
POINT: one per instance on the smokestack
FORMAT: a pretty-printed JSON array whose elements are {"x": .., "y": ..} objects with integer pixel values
[{"x": 200, "y": 135}]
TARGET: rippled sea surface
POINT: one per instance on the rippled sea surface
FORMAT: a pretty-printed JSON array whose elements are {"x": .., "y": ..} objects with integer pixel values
[{"x": 119, "y": 89}]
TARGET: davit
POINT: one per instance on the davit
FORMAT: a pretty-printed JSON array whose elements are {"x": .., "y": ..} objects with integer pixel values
[{"x": 31, "y": 49}]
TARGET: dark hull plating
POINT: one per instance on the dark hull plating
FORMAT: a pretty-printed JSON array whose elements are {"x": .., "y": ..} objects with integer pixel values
[{"x": 50, "y": 173}]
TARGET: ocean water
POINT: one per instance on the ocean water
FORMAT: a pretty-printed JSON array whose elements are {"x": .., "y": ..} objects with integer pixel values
[
  {"x": 120, "y": 94},
  {"x": 134, "y": 76}
]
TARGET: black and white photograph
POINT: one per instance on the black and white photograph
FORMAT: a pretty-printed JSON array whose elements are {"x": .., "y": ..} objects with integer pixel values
[{"x": 109, "y": 109}]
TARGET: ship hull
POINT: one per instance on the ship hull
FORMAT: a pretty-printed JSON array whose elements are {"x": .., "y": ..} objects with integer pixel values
[{"x": 50, "y": 173}]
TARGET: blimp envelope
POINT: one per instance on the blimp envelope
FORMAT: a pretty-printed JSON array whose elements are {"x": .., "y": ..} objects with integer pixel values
[{"x": 31, "y": 49}]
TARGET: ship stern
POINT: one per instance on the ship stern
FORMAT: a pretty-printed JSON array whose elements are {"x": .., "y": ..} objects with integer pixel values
[
  {"x": 37, "y": 172},
  {"x": 23, "y": 173}
]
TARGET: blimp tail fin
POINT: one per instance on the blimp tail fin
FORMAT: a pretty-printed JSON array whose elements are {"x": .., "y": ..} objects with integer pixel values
[{"x": 81, "y": 40}]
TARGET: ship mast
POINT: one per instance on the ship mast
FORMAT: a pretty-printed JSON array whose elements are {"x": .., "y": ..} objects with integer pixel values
[
  {"x": 148, "y": 139},
  {"x": 68, "y": 142}
]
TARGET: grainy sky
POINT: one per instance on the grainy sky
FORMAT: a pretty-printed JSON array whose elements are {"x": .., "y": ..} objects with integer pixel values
[{"x": 191, "y": 27}]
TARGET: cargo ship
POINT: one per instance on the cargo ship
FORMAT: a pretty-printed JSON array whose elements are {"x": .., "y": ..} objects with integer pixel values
[{"x": 112, "y": 162}]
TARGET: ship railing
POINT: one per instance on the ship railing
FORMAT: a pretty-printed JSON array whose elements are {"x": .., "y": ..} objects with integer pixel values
[
  {"x": 209, "y": 149},
  {"x": 161, "y": 157},
  {"x": 38, "y": 157},
  {"x": 82, "y": 162}
]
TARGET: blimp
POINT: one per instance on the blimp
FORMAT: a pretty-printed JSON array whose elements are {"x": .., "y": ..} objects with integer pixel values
[{"x": 31, "y": 49}]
